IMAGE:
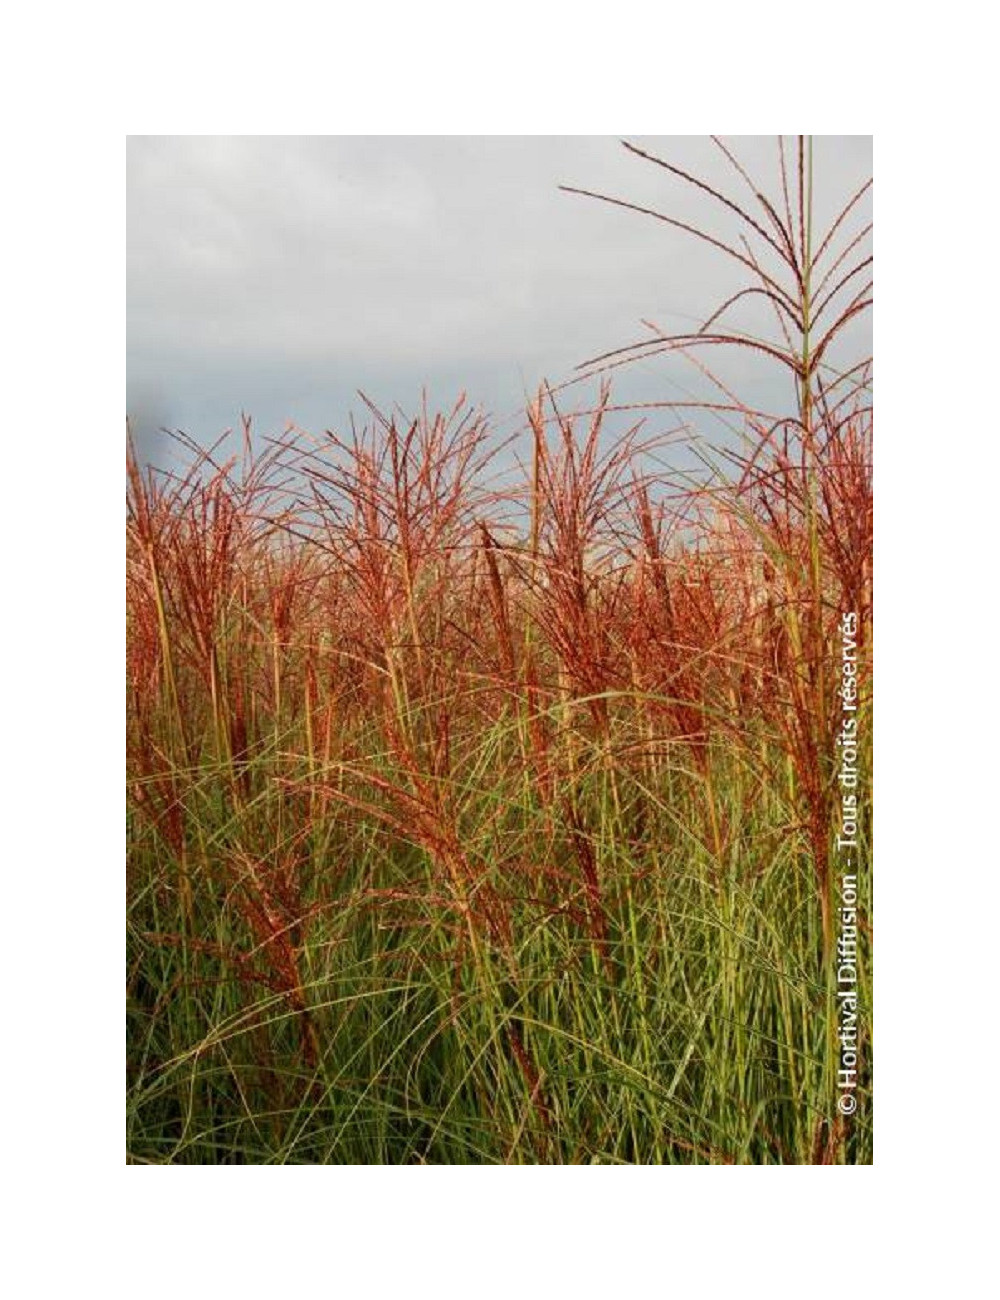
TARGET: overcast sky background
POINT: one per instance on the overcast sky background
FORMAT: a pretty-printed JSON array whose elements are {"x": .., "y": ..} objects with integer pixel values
[{"x": 280, "y": 275}]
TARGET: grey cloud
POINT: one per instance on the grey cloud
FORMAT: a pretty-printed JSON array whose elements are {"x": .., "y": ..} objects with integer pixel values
[{"x": 281, "y": 274}]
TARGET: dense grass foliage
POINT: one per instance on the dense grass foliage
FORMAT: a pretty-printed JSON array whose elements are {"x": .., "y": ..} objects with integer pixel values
[{"x": 469, "y": 825}]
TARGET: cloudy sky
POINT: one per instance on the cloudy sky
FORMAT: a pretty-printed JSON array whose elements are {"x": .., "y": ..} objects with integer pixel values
[{"x": 280, "y": 275}]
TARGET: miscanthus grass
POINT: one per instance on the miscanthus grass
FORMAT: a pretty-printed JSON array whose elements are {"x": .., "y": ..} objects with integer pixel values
[{"x": 459, "y": 832}]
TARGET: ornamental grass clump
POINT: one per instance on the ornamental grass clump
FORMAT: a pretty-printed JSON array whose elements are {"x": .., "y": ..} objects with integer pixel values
[{"x": 479, "y": 823}]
